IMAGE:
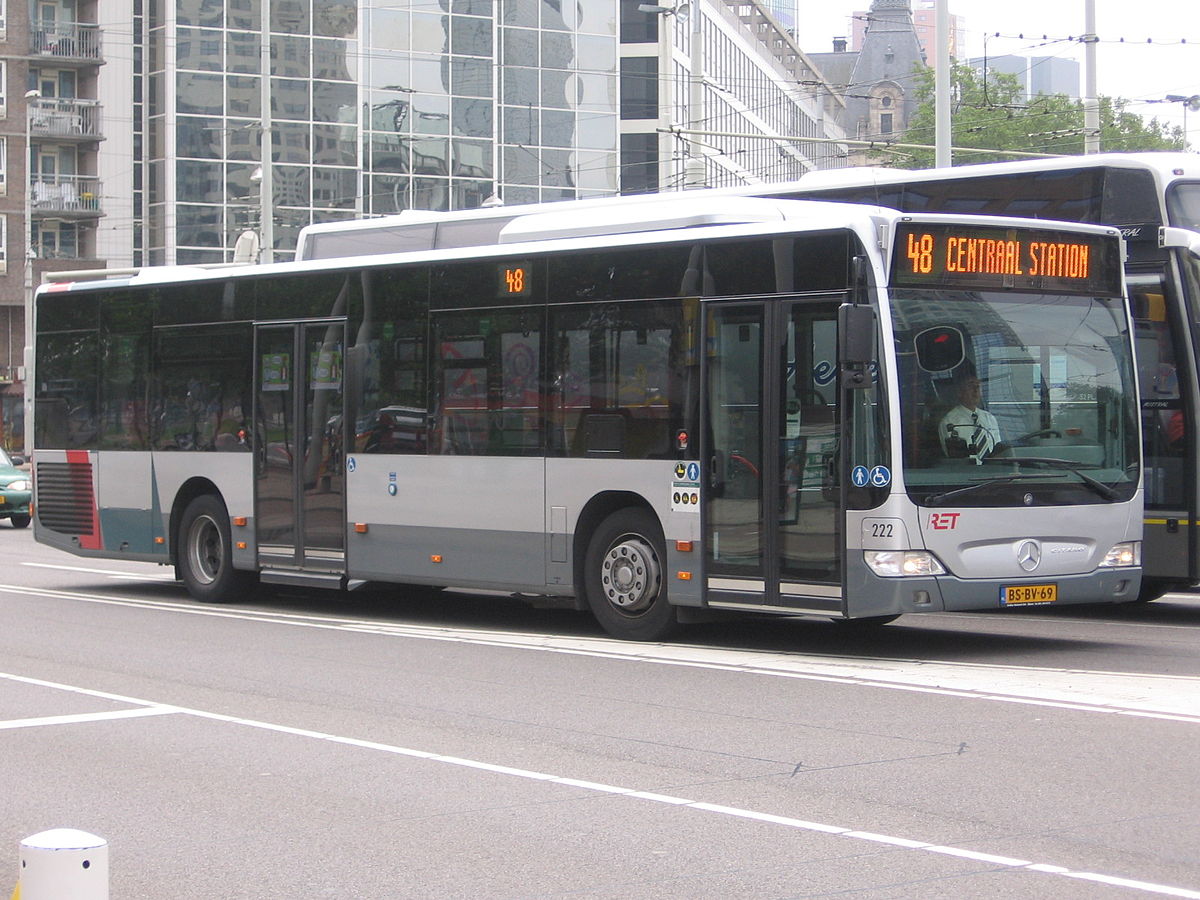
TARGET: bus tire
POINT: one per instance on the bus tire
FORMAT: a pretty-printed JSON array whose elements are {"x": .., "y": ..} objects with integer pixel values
[
  {"x": 1153, "y": 590},
  {"x": 19, "y": 521},
  {"x": 624, "y": 577},
  {"x": 867, "y": 623},
  {"x": 206, "y": 553}
]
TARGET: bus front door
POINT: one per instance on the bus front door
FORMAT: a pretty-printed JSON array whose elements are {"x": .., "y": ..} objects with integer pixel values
[
  {"x": 772, "y": 513},
  {"x": 300, "y": 504}
]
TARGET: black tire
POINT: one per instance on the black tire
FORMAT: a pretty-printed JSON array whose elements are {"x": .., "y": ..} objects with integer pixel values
[
  {"x": 204, "y": 553},
  {"x": 1151, "y": 591},
  {"x": 867, "y": 623},
  {"x": 19, "y": 521},
  {"x": 624, "y": 577}
]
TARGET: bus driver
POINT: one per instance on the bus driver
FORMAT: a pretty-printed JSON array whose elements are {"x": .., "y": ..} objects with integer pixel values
[{"x": 968, "y": 429}]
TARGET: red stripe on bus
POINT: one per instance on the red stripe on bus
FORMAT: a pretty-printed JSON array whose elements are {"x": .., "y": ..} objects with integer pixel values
[{"x": 93, "y": 541}]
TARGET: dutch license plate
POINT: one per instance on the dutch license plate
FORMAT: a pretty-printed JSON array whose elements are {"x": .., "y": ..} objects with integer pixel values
[{"x": 1018, "y": 594}]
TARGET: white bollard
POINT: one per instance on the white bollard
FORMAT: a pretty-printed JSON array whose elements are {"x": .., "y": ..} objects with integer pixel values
[{"x": 63, "y": 864}]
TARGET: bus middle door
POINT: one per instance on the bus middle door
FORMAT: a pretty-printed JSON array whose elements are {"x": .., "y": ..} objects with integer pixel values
[{"x": 300, "y": 503}]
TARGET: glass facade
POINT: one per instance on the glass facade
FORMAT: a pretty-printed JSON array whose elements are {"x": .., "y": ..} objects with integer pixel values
[{"x": 371, "y": 107}]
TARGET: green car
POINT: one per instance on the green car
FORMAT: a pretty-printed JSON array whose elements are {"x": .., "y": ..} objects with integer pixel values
[{"x": 16, "y": 490}]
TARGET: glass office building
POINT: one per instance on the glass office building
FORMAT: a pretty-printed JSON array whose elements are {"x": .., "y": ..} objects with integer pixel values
[{"x": 369, "y": 107}]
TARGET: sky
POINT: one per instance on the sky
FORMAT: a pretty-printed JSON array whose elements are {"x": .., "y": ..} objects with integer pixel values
[{"x": 1134, "y": 69}]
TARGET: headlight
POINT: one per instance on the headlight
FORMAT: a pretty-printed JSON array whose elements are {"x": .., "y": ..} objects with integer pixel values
[
  {"x": 903, "y": 563},
  {"x": 1126, "y": 553},
  {"x": 19, "y": 485}
]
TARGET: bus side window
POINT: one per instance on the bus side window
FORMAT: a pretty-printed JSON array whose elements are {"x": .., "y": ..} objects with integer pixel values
[
  {"x": 487, "y": 383},
  {"x": 619, "y": 377},
  {"x": 387, "y": 362},
  {"x": 66, "y": 404}
]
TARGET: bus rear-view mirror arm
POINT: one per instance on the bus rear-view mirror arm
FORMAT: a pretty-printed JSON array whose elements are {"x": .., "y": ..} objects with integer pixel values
[{"x": 1183, "y": 238}]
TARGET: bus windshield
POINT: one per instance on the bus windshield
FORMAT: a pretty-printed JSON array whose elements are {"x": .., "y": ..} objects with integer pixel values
[
  {"x": 1015, "y": 399},
  {"x": 1183, "y": 205}
]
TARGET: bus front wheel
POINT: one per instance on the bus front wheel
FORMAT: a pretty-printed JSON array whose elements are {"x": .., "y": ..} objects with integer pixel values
[
  {"x": 205, "y": 552},
  {"x": 624, "y": 577}
]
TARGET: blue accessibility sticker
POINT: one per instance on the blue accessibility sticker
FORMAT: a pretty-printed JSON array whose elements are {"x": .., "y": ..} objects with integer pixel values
[
  {"x": 859, "y": 475},
  {"x": 881, "y": 476}
]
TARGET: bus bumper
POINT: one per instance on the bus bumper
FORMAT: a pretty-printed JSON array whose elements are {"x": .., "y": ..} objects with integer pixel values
[{"x": 1101, "y": 586}]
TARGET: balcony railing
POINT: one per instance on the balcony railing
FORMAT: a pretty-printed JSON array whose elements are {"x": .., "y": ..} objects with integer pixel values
[
  {"x": 74, "y": 196},
  {"x": 65, "y": 119},
  {"x": 67, "y": 41}
]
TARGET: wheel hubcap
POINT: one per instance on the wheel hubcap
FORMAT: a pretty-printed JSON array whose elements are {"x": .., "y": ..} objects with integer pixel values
[
  {"x": 205, "y": 550},
  {"x": 630, "y": 574}
]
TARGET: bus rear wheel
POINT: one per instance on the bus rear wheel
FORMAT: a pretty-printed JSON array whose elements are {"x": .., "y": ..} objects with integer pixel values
[
  {"x": 624, "y": 577},
  {"x": 205, "y": 553}
]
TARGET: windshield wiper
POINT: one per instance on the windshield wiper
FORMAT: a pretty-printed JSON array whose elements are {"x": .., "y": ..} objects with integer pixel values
[
  {"x": 1067, "y": 465},
  {"x": 939, "y": 499}
]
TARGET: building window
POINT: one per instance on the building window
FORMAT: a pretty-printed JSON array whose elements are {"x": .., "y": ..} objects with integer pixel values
[
  {"x": 639, "y": 87},
  {"x": 885, "y": 123},
  {"x": 3, "y": 162},
  {"x": 3, "y": 240},
  {"x": 637, "y": 26},
  {"x": 639, "y": 163}
]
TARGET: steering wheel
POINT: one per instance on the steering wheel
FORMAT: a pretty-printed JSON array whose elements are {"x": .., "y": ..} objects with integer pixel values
[{"x": 1045, "y": 432}]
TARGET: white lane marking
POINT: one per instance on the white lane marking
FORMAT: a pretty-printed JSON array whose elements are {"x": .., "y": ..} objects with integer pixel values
[
  {"x": 598, "y": 787},
  {"x": 138, "y": 713},
  {"x": 1166, "y": 697},
  {"x": 110, "y": 573},
  {"x": 1186, "y": 598}
]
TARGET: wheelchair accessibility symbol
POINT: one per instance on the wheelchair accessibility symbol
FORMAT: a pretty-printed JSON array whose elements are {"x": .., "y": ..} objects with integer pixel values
[{"x": 877, "y": 476}]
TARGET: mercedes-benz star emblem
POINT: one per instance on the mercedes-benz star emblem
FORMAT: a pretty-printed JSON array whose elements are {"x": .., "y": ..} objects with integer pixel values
[{"x": 1029, "y": 554}]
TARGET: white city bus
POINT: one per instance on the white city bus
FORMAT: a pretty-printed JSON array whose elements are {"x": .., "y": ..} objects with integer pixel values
[
  {"x": 1154, "y": 199},
  {"x": 654, "y": 411}
]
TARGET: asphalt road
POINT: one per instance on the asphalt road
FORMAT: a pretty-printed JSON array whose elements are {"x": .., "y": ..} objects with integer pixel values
[{"x": 380, "y": 745}]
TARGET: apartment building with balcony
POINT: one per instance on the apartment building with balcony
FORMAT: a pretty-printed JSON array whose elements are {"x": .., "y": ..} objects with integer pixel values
[{"x": 51, "y": 198}]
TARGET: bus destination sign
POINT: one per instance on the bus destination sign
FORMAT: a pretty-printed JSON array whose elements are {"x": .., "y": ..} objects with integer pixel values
[{"x": 986, "y": 258}]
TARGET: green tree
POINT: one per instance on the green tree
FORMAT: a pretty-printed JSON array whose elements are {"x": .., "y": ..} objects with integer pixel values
[{"x": 992, "y": 113}]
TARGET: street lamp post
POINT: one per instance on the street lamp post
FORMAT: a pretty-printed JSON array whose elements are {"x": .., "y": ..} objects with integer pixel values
[
  {"x": 693, "y": 172},
  {"x": 266, "y": 194},
  {"x": 31, "y": 97},
  {"x": 1191, "y": 103}
]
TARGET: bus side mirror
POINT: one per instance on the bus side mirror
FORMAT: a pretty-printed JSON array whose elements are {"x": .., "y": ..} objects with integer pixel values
[{"x": 856, "y": 343}]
